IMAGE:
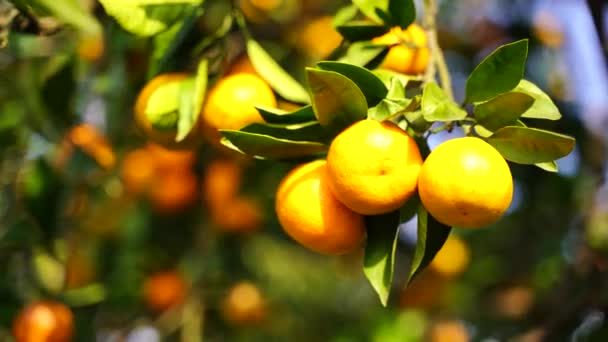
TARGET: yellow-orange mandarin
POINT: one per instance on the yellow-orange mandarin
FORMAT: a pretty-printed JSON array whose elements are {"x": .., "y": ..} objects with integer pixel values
[
  {"x": 465, "y": 183},
  {"x": 373, "y": 167},
  {"x": 230, "y": 104},
  {"x": 408, "y": 53},
  {"x": 44, "y": 321},
  {"x": 311, "y": 214}
]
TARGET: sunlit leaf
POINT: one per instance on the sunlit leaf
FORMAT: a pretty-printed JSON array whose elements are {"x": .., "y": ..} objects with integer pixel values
[
  {"x": 273, "y": 73},
  {"x": 502, "y": 110},
  {"x": 498, "y": 73},
  {"x": 525, "y": 145},
  {"x": 437, "y": 106},
  {"x": 336, "y": 100},
  {"x": 380, "y": 248},
  {"x": 431, "y": 237}
]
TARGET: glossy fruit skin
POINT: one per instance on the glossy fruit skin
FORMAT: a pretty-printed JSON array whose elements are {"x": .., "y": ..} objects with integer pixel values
[
  {"x": 403, "y": 58},
  {"x": 310, "y": 213},
  {"x": 373, "y": 167},
  {"x": 230, "y": 104},
  {"x": 453, "y": 258},
  {"x": 44, "y": 321},
  {"x": 165, "y": 138},
  {"x": 318, "y": 38},
  {"x": 465, "y": 183},
  {"x": 164, "y": 290},
  {"x": 244, "y": 304}
]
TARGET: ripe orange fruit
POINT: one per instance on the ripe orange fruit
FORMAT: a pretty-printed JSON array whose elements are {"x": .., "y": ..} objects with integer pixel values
[
  {"x": 402, "y": 56},
  {"x": 138, "y": 171},
  {"x": 373, "y": 167},
  {"x": 466, "y": 183},
  {"x": 449, "y": 331},
  {"x": 318, "y": 38},
  {"x": 230, "y": 103},
  {"x": 311, "y": 214},
  {"x": 171, "y": 158},
  {"x": 164, "y": 290},
  {"x": 242, "y": 66},
  {"x": 44, "y": 321},
  {"x": 174, "y": 190},
  {"x": 239, "y": 215},
  {"x": 91, "y": 48},
  {"x": 91, "y": 141},
  {"x": 453, "y": 258},
  {"x": 244, "y": 304},
  {"x": 221, "y": 183},
  {"x": 160, "y": 96}
]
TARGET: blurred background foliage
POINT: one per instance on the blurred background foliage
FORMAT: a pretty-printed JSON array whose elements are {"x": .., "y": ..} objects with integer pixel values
[{"x": 146, "y": 244}]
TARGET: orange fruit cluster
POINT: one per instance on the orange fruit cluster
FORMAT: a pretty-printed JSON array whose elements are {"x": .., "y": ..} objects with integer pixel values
[
  {"x": 229, "y": 210},
  {"x": 166, "y": 177}
]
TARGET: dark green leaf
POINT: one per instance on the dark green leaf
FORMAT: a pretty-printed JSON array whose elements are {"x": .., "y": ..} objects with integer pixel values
[
  {"x": 58, "y": 91},
  {"x": 336, "y": 100},
  {"x": 548, "y": 166},
  {"x": 431, "y": 237},
  {"x": 359, "y": 30},
  {"x": 166, "y": 44},
  {"x": 525, "y": 145},
  {"x": 371, "y": 86},
  {"x": 543, "y": 107},
  {"x": 403, "y": 12},
  {"x": 498, "y": 73},
  {"x": 380, "y": 248},
  {"x": 273, "y": 73},
  {"x": 267, "y": 147},
  {"x": 409, "y": 209},
  {"x": 365, "y": 54},
  {"x": 309, "y": 131},
  {"x": 274, "y": 116},
  {"x": 502, "y": 110},
  {"x": 437, "y": 106},
  {"x": 368, "y": 7}
]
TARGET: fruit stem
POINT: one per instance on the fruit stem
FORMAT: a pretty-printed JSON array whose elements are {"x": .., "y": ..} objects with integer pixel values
[{"x": 438, "y": 63}]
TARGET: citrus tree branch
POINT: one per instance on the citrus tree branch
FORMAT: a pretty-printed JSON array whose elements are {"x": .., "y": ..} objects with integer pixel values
[{"x": 437, "y": 63}]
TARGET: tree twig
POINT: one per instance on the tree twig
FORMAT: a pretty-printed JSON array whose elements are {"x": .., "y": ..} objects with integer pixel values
[{"x": 437, "y": 62}]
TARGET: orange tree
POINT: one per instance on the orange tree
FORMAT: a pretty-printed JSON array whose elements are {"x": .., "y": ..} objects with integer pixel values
[{"x": 184, "y": 86}]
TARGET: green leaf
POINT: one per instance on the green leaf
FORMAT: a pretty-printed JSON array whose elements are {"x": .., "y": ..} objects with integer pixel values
[
  {"x": 543, "y": 107},
  {"x": 548, "y": 166},
  {"x": 368, "y": 8},
  {"x": 192, "y": 95},
  {"x": 151, "y": 17},
  {"x": 344, "y": 15},
  {"x": 358, "y": 30},
  {"x": 276, "y": 116},
  {"x": 167, "y": 42},
  {"x": 266, "y": 147},
  {"x": 525, "y": 145},
  {"x": 502, "y": 110},
  {"x": 386, "y": 76},
  {"x": 365, "y": 54},
  {"x": 388, "y": 108},
  {"x": 431, "y": 237},
  {"x": 308, "y": 131},
  {"x": 336, "y": 100},
  {"x": 498, "y": 73},
  {"x": 403, "y": 12},
  {"x": 273, "y": 73},
  {"x": 164, "y": 105},
  {"x": 437, "y": 106},
  {"x": 371, "y": 86},
  {"x": 71, "y": 13},
  {"x": 380, "y": 248}
]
